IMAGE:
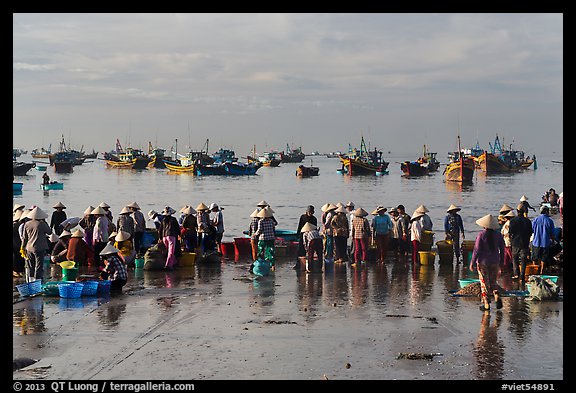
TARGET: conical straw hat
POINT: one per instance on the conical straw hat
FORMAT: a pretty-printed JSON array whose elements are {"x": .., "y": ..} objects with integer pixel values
[
  {"x": 264, "y": 213},
  {"x": 17, "y": 206},
  {"x": 17, "y": 215},
  {"x": 88, "y": 210},
  {"x": 104, "y": 204},
  {"x": 417, "y": 214},
  {"x": 523, "y": 198},
  {"x": 121, "y": 236},
  {"x": 37, "y": 214},
  {"x": 453, "y": 207},
  {"x": 254, "y": 213},
  {"x": 505, "y": 208},
  {"x": 378, "y": 210},
  {"x": 78, "y": 233},
  {"x": 510, "y": 214},
  {"x": 134, "y": 205},
  {"x": 360, "y": 212},
  {"x": 65, "y": 233},
  {"x": 151, "y": 214},
  {"x": 125, "y": 210},
  {"x": 325, "y": 207},
  {"x": 341, "y": 210},
  {"x": 308, "y": 227},
  {"x": 488, "y": 222},
  {"x": 422, "y": 209},
  {"x": 98, "y": 210},
  {"x": 59, "y": 204},
  {"x": 109, "y": 249},
  {"x": 188, "y": 210},
  {"x": 263, "y": 203},
  {"x": 201, "y": 207}
]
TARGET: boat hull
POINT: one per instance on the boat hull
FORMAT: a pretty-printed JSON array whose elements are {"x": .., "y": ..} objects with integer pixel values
[
  {"x": 21, "y": 168},
  {"x": 307, "y": 171},
  {"x": 176, "y": 167},
  {"x": 234, "y": 169},
  {"x": 489, "y": 163},
  {"x": 135, "y": 163},
  {"x": 357, "y": 167},
  {"x": 52, "y": 186},
  {"x": 453, "y": 172},
  {"x": 410, "y": 169},
  {"x": 210, "y": 170},
  {"x": 63, "y": 166}
]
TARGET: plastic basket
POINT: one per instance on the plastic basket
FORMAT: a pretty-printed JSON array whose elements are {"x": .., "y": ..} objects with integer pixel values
[
  {"x": 70, "y": 290},
  {"x": 29, "y": 288},
  {"x": 427, "y": 257},
  {"x": 50, "y": 288},
  {"x": 69, "y": 274},
  {"x": 464, "y": 282},
  {"x": 104, "y": 286},
  {"x": 67, "y": 264},
  {"x": 90, "y": 288}
]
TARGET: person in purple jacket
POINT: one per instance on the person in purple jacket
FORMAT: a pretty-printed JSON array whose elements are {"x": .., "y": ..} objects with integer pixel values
[{"x": 488, "y": 256}]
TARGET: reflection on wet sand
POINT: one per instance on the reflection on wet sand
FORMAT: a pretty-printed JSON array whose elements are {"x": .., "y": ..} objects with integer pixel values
[{"x": 489, "y": 350}]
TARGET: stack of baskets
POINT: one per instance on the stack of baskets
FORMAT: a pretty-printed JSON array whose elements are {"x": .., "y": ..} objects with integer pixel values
[{"x": 426, "y": 240}]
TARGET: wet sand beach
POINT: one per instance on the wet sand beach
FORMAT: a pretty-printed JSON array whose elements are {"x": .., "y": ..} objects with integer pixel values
[{"x": 219, "y": 322}]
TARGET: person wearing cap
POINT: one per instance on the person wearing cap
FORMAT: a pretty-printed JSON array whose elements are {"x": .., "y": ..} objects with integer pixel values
[
  {"x": 123, "y": 242},
  {"x": 404, "y": 242},
  {"x": 205, "y": 228},
  {"x": 139, "y": 226},
  {"x": 18, "y": 263},
  {"x": 425, "y": 218},
  {"x": 543, "y": 229},
  {"x": 87, "y": 223},
  {"x": 520, "y": 232},
  {"x": 381, "y": 228},
  {"x": 168, "y": 235},
  {"x": 189, "y": 230},
  {"x": 505, "y": 231},
  {"x": 361, "y": 234},
  {"x": 308, "y": 216},
  {"x": 60, "y": 248},
  {"x": 454, "y": 227},
  {"x": 312, "y": 244},
  {"x": 100, "y": 233},
  {"x": 341, "y": 233},
  {"x": 327, "y": 215},
  {"x": 502, "y": 212},
  {"x": 114, "y": 269},
  {"x": 79, "y": 251},
  {"x": 251, "y": 232},
  {"x": 266, "y": 236},
  {"x": 58, "y": 216},
  {"x": 35, "y": 243},
  {"x": 217, "y": 220},
  {"x": 125, "y": 222},
  {"x": 488, "y": 256},
  {"x": 416, "y": 229}
]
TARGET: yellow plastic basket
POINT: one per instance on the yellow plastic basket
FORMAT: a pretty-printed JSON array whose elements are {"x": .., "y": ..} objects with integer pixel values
[
  {"x": 427, "y": 257},
  {"x": 67, "y": 264}
]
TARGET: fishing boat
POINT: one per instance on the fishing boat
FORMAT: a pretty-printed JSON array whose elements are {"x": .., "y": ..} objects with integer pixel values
[
  {"x": 17, "y": 187},
  {"x": 224, "y": 155},
  {"x": 461, "y": 167},
  {"x": 307, "y": 171},
  {"x": 292, "y": 155},
  {"x": 21, "y": 168},
  {"x": 429, "y": 160},
  {"x": 63, "y": 162},
  {"x": 240, "y": 168},
  {"x": 414, "y": 168},
  {"x": 271, "y": 158},
  {"x": 42, "y": 153},
  {"x": 500, "y": 160},
  {"x": 180, "y": 166},
  {"x": 54, "y": 185},
  {"x": 156, "y": 156},
  {"x": 210, "y": 169},
  {"x": 92, "y": 155},
  {"x": 127, "y": 159},
  {"x": 363, "y": 161}
]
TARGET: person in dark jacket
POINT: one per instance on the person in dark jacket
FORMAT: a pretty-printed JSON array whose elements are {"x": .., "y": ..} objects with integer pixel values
[
  {"x": 308, "y": 216},
  {"x": 454, "y": 227},
  {"x": 519, "y": 232},
  {"x": 60, "y": 249},
  {"x": 58, "y": 216},
  {"x": 168, "y": 234},
  {"x": 18, "y": 262}
]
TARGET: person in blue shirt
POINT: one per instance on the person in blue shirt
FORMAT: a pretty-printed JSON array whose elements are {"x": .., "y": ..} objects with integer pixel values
[
  {"x": 453, "y": 226},
  {"x": 381, "y": 228},
  {"x": 543, "y": 228}
]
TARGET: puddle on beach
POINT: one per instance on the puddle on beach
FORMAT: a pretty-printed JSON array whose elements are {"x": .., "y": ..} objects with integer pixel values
[{"x": 222, "y": 322}]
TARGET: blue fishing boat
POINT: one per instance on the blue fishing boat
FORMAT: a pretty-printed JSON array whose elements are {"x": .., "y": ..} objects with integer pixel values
[
  {"x": 240, "y": 168},
  {"x": 210, "y": 169},
  {"x": 224, "y": 155},
  {"x": 52, "y": 186}
]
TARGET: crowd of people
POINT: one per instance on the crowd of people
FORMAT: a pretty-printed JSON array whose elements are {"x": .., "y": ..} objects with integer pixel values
[{"x": 343, "y": 233}]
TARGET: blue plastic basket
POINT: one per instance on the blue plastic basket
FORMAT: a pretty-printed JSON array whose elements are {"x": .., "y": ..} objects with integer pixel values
[
  {"x": 70, "y": 290},
  {"x": 104, "y": 286},
  {"x": 30, "y": 288},
  {"x": 90, "y": 288}
]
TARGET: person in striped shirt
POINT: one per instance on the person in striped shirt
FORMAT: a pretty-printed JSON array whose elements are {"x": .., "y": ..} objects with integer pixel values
[
  {"x": 312, "y": 244},
  {"x": 114, "y": 269},
  {"x": 360, "y": 234},
  {"x": 266, "y": 236}
]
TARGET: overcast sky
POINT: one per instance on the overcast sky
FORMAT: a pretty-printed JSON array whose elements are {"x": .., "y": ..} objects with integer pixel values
[{"x": 320, "y": 81}]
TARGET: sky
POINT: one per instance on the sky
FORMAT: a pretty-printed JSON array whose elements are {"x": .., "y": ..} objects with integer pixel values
[{"x": 319, "y": 81}]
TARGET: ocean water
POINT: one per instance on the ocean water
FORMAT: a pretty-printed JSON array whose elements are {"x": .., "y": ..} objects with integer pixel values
[{"x": 361, "y": 316}]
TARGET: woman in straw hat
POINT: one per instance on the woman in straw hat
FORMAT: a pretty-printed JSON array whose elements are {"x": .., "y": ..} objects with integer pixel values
[
  {"x": 505, "y": 231},
  {"x": 87, "y": 223},
  {"x": 312, "y": 245},
  {"x": 381, "y": 229},
  {"x": 502, "y": 212},
  {"x": 139, "y": 226},
  {"x": 125, "y": 222},
  {"x": 189, "y": 231},
  {"x": 341, "y": 233},
  {"x": 100, "y": 232},
  {"x": 308, "y": 216},
  {"x": 123, "y": 242},
  {"x": 114, "y": 268},
  {"x": 60, "y": 249},
  {"x": 454, "y": 227},
  {"x": 426, "y": 220},
  {"x": 206, "y": 230},
  {"x": 488, "y": 256},
  {"x": 266, "y": 236},
  {"x": 327, "y": 230},
  {"x": 58, "y": 216},
  {"x": 79, "y": 251},
  {"x": 360, "y": 234},
  {"x": 35, "y": 243},
  {"x": 416, "y": 228},
  {"x": 168, "y": 235},
  {"x": 251, "y": 232}
]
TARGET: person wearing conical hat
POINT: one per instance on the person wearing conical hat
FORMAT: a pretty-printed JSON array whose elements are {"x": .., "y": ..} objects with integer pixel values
[
  {"x": 139, "y": 227},
  {"x": 266, "y": 236},
  {"x": 58, "y": 216},
  {"x": 327, "y": 231},
  {"x": 426, "y": 220},
  {"x": 349, "y": 206},
  {"x": 79, "y": 251},
  {"x": 168, "y": 234},
  {"x": 404, "y": 241},
  {"x": 18, "y": 207},
  {"x": 505, "y": 231},
  {"x": 114, "y": 269},
  {"x": 18, "y": 263},
  {"x": 502, "y": 212},
  {"x": 381, "y": 230},
  {"x": 361, "y": 233},
  {"x": 100, "y": 233},
  {"x": 125, "y": 222},
  {"x": 87, "y": 223},
  {"x": 520, "y": 233},
  {"x": 416, "y": 229},
  {"x": 524, "y": 201},
  {"x": 108, "y": 212},
  {"x": 308, "y": 216},
  {"x": 341, "y": 233},
  {"x": 189, "y": 231},
  {"x": 35, "y": 243},
  {"x": 206, "y": 230},
  {"x": 252, "y": 228},
  {"x": 488, "y": 256},
  {"x": 217, "y": 219},
  {"x": 454, "y": 227},
  {"x": 312, "y": 244},
  {"x": 123, "y": 242},
  {"x": 60, "y": 248}
]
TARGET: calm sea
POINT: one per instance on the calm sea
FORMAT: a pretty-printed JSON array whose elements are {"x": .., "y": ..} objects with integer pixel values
[{"x": 92, "y": 183}]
